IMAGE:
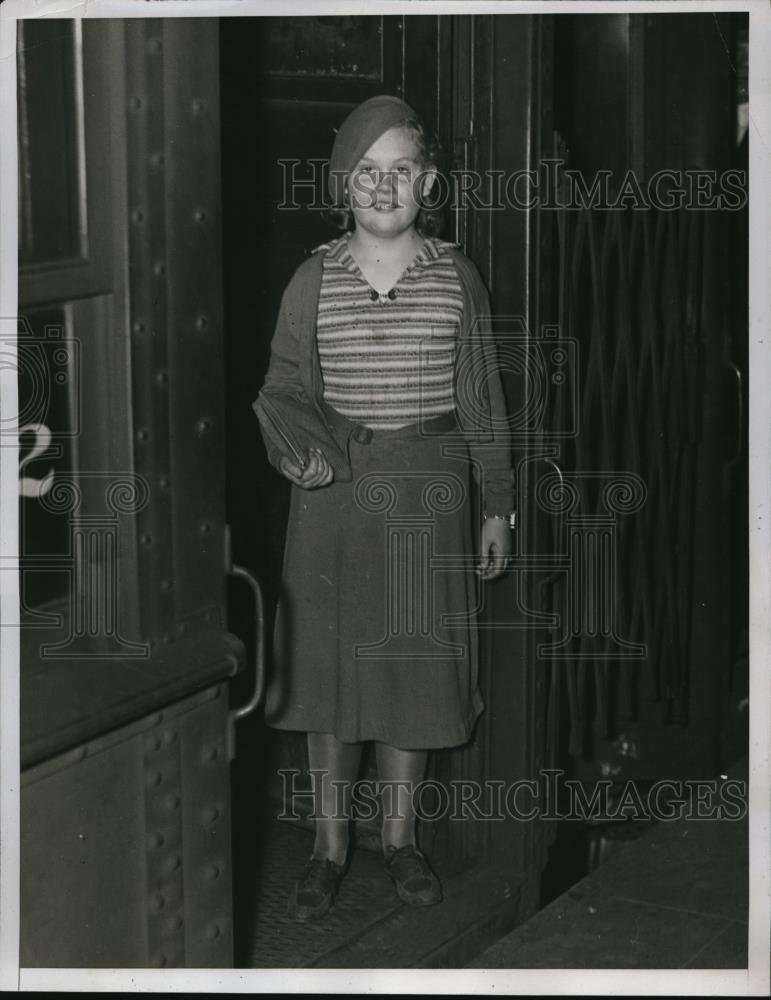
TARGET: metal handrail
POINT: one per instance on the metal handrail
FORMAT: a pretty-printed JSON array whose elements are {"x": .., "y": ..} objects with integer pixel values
[{"x": 258, "y": 690}]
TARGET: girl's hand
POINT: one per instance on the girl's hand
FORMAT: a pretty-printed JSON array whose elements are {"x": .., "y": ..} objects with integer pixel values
[
  {"x": 318, "y": 471},
  {"x": 494, "y": 548}
]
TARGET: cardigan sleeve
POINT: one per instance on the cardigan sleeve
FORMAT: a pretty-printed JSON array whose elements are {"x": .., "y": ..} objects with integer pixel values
[
  {"x": 491, "y": 449},
  {"x": 283, "y": 375}
]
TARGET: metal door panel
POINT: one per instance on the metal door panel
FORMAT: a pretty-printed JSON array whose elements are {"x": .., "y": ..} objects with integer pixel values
[
  {"x": 206, "y": 845},
  {"x": 125, "y": 857},
  {"x": 83, "y": 860}
]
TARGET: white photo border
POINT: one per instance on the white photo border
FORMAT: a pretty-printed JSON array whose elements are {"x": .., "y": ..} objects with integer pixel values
[{"x": 755, "y": 981}]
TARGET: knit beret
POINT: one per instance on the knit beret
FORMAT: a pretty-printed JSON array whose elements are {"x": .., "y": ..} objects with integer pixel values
[{"x": 363, "y": 126}]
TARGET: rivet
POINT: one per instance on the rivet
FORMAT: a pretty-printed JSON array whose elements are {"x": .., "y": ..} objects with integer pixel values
[
  {"x": 173, "y": 863},
  {"x": 209, "y": 754},
  {"x": 157, "y": 903},
  {"x": 153, "y": 743},
  {"x": 202, "y": 322},
  {"x": 196, "y": 105},
  {"x": 146, "y": 539},
  {"x": 163, "y": 482},
  {"x": 204, "y": 425},
  {"x": 199, "y": 215},
  {"x": 162, "y": 377},
  {"x": 169, "y": 737},
  {"x": 157, "y": 840},
  {"x": 205, "y": 528},
  {"x": 173, "y": 922},
  {"x": 155, "y": 45},
  {"x": 212, "y": 872},
  {"x": 141, "y": 435},
  {"x": 211, "y": 815},
  {"x": 156, "y": 160},
  {"x": 154, "y": 779},
  {"x": 159, "y": 268},
  {"x": 182, "y": 627},
  {"x": 212, "y": 932},
  {"x": 137, "y": 215},
  {"x": 208, "y": 617},
  {"x": 135, "y": 103},
  {"x": 172, "y": 803},
  {"x": 139, "y": 327},
  {"x": 165, "y": 584},
  {"x": 168, "y": 637}
]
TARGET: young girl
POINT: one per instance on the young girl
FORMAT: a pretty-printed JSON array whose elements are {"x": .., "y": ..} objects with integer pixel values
[{"x": 381, "y": 396}]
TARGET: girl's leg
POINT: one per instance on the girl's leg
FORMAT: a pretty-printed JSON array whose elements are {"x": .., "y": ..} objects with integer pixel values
[
  {"x": 408, "y": 868},
  {"x": 405, "y": 769},
  {"x": 339, "y": 763}
]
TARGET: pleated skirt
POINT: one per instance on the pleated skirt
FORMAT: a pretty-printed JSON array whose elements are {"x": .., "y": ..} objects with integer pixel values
[{"x": 376, "y": 635}]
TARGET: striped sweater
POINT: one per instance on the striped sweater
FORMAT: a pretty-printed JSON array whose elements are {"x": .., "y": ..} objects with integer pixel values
[
  {"x": 388, "y": 361},
  {"x": 294, "y": 373}
]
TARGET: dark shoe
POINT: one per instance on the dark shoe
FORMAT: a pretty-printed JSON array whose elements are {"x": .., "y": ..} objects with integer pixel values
[
  {"x": 415, "y": 883},
  {"x": 314, "y": 892}
]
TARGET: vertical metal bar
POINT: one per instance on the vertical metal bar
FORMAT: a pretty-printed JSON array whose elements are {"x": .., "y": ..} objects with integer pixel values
[
  {"x": 80, "y": 139},
  {"x": 191, "y": 382},
  {"x": 146, "y": 129},
  {"x": 26, "y": 238}
]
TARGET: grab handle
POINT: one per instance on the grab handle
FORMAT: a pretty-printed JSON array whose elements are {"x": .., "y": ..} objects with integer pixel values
[{"x": 259, "y": 656}]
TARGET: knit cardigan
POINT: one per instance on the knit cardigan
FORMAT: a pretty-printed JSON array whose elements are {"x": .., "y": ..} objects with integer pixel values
[{"x": 294, "y": 372}]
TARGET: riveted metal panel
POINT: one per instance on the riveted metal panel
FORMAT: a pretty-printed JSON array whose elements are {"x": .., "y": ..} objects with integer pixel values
[
  {"x": 163, "y": 841},
  {"x": 82, "y": 861},
  {"x": 126, "y": 845},
  {"x": 195, "y": 336},
  {"x": 66, "y": 702},
  {"x": 206, "y": 824},
  {"x": 146, "y": 196}
]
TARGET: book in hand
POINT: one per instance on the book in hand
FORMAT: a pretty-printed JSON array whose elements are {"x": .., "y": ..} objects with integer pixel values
[{"x": 294, "y": 427}]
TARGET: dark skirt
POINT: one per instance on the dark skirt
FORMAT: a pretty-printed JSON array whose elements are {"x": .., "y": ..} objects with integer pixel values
[{"x": 375, "y": 635}]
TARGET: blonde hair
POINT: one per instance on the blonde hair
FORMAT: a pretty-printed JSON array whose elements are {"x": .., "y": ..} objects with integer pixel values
[{"x": 430, "y": 220}]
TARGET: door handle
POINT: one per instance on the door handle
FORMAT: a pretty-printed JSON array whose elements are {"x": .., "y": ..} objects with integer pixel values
[
  {"x": 259, "y": 653},
  {"x": 556, "y": 575}
]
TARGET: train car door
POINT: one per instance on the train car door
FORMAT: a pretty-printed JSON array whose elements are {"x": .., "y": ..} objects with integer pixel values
[{"x": 126, "y": 655}]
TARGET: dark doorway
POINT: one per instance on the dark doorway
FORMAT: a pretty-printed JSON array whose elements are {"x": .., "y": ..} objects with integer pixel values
[
  {"x": 507, "y": 93},
  {"x": 286, "y": 83}
]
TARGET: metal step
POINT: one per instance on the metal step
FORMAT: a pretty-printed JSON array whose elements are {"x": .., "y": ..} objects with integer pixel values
[{"x": 369, "y": 927}]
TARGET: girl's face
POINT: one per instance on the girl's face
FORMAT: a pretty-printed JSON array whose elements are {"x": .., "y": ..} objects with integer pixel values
[{"x": 386, "y": 184}]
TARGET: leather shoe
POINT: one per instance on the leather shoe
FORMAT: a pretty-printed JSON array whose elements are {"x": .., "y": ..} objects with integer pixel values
[
  {"x": 314, "y": 892},
  {"x": 409, "y": 870}
]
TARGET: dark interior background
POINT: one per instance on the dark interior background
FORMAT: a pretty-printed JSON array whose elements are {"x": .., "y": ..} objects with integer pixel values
[{"x": 613, "y": 93}]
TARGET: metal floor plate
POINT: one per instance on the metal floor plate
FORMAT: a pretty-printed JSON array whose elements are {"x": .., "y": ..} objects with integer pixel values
[
  {"x": 369, "y": 927},
  {"x": 276, "y": 940}
]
